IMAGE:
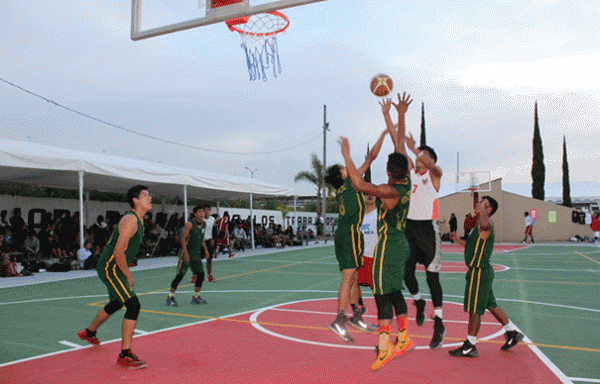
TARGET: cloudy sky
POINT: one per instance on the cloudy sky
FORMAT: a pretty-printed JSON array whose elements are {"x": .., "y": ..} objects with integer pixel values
[{"x": 478, "y": 67}]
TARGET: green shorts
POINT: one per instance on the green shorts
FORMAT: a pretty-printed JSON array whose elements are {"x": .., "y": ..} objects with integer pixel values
[
  {"x": 194, "y": 264},
  {"x": 478, "y": 290},
  {"x": 115, "y": 281},
  {"x": 391, "y": 254},
  {"x": 349, "y": 247}
]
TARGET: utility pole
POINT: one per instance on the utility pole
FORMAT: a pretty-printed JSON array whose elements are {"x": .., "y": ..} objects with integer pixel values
[
  {"x": 251, "y": 205},
  {"x": 324, "y": 195}
]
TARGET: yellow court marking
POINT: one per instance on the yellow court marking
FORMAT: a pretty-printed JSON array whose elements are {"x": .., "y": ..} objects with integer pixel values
[
  {"x": 529, "y": 281},
  {"x": 587, "y": 257},
  {"x": 98, "y": 303},
  {"x": 355, "y": 331}
]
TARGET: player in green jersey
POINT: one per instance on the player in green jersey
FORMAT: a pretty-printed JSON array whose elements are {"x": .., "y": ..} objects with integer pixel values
[
  {"x": 113, "y": 270},
  {"x": 193, "y": 248},
  {"x": 349, "y": 241},
  {"x": 392, "y": 249},
  {"x": 478, "y": 290}
]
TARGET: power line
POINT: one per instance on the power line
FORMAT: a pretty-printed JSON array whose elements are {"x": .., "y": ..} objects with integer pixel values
[{"x": 150, "y": 136}]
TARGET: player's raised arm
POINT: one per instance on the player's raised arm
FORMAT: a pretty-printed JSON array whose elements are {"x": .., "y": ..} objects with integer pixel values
[
  {"x": 404, "y": 102},
  {"x": 382, "y": 191},
  {"x": 373, "y": 153},
  {"x": 483, "y": 220},
  {"x": 386, "y": 105},
  {"x": 424, "y": 157}
]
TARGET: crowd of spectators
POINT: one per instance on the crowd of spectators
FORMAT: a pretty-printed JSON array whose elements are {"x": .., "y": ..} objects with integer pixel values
[{"x": 57, "y": 245}]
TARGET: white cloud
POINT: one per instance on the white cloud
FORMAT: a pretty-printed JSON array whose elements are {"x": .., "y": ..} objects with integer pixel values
[{"x": 557, "y": 74}]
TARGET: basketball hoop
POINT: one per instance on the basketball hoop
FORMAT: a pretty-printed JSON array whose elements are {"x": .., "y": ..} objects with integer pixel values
[{"x": 259, "y": 41}]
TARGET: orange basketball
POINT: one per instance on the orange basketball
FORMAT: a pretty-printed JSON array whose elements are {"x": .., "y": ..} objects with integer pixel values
[{"x": 381, "y": 85}]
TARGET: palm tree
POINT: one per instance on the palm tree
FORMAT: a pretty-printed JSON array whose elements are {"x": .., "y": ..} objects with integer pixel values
[{"x": 315, "y": 176}]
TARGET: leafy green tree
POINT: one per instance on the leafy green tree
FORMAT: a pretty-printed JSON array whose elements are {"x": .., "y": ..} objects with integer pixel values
[
  {"x": 538, "y": 169},
  {"x": 565, "y": 177},
  {"x": 314, "y": 176}
]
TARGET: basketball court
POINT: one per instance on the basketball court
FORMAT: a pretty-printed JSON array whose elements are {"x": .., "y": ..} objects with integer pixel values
[{"x": 268, "y": 316}]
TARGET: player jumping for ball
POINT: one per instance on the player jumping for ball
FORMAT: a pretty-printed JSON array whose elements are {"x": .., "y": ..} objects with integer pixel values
[
  {"x": 349, "y": 241},
  {"x": 190, "y": 256},
  {"x": 478, "y": 290},
  {"x": 113, "y": 270}
]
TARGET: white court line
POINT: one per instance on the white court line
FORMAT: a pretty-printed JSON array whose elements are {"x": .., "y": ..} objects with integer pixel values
[
  {"x": 584, "y": 380},
  {"x": 71, "y": 345},
  {"x": 140, "y": 332}
]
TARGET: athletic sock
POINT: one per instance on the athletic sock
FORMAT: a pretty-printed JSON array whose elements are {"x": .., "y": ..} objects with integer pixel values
[
  {"x": 384, "y": 337},
  {"x": 196, "y": 295},
  {"x": 416, "y": 296},
  {"x": 355, "y": 307},
  {"x": 171, "y": 295},
  {"x": 90, "y": 333},
  {"x": 438, "y": 312},
  {"x": 125, "y": 352},
  {"x": 361, "y": 302},
  {"x": 472, "y": 339},
  {"x": 510, "y": 326},
  {"x": 402, "y": 328}
]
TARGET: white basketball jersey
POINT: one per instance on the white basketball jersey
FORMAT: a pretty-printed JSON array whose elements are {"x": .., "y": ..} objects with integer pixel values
[
  {"x": 369, "y": 230},
  {"x": 424, "y": 204}
]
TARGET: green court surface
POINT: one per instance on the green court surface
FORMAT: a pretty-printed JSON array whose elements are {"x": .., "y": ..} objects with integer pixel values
[{"x": 551, "y": 292}]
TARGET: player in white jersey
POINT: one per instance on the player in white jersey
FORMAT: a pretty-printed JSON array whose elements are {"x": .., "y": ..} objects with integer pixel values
[
  {"x": 423, "y": 235},
  {"x": 369, "y": 230}
]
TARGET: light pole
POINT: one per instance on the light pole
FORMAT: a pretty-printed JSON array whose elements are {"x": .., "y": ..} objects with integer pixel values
[{"x": 251, "y": 214}]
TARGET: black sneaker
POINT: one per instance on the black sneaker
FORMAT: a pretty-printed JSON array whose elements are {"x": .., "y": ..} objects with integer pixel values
[
  {"x": 420, "y": 304},
  {"x": 170, "y": 302},
  {"x": 438, "y": 333},
  {"x": 198, "y": 301},
  {"x": 512, "y": 339},
  {"x": 339, "y": 328},
  {"x": 466, "y": 350}
]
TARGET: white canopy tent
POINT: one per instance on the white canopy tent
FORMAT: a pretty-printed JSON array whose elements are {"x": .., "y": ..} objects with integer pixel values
[{"x": 49, "y": 166}]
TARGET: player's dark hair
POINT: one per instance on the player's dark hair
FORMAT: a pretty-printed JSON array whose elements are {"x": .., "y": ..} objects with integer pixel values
[
  {"x": 206, "y": 206},
  {"x": 429, "y": 150},
  {"x": 334, "y": 176},
  {"x": 397, "y": 165},
  {"x": 134, "y": 192},
  {"x": 197, "y": 208},
  {"x": 493, "y": 204}
]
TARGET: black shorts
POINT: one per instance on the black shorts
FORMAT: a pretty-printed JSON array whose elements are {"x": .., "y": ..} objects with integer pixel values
[{"x": 425, "y": 243}]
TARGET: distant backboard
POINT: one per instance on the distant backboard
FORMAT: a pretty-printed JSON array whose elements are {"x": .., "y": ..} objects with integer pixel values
[
  {"x": 151, "y": 18},
  {"x": 474, "y": 181}
]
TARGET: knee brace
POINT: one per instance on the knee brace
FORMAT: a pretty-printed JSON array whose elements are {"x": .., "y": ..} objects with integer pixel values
[
  {"x": 384, "y": 307},
  {"x": 133, "y": 308},
  {"x": 113, "y": 307},
  {"x": 199, "y": 280},
  {"x": 176, "y": 281},
  {"x": 399, "y": 303}
]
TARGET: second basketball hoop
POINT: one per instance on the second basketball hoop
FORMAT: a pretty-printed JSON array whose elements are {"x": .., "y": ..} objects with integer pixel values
[{"x": 259, "y": 41}]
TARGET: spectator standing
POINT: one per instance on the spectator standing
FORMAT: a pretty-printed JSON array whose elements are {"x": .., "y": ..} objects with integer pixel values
[
  {"x": 529, "y": 221},
  {"x": 595, "y": 226},
  {"x": 18, "y": 229},
  {"x": 453, "y": 223}
]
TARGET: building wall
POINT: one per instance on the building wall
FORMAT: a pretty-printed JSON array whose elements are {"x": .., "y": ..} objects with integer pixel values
[{"x": 509, "y": 219}]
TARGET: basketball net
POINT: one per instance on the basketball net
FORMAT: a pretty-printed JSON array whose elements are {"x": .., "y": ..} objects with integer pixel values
[{"x": 259, "y": 41}]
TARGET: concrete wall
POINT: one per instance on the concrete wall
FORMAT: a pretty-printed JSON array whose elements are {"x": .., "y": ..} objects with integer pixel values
[{"x": 509, "y": 219}]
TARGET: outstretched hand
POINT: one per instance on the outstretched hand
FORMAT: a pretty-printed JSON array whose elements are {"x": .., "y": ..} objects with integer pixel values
[
  {"x": 386, "y": 105},
  {"x": 345, "y": 144},
  {"x": 403, "y": 103},
  {"x": 410, "y": 142}
]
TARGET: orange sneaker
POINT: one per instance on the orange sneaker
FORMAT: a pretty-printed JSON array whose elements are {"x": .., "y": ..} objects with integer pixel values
[
  {"x": 383, "y": 357},
  {"x": 131, "y": 362},
  {"x": 402, "y": 347},
  {"x": 90, "y": 339}
]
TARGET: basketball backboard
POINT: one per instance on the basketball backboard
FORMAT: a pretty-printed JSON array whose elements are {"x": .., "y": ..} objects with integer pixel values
[
  {"x": 474, "y": 181},
  {"x": 151, "y": 18}
]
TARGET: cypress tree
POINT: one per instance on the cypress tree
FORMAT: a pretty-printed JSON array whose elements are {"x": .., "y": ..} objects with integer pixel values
[
  {"x": 538, "y": 170},
  {"x": 565, "y": 173},
  {"x": 423, "y": 138}
]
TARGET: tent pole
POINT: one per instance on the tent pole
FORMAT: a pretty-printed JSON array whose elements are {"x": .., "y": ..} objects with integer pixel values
[
  {"x": 295, "y": 214},
  {"x": 81, "y": 234},
  {"x": 185, "y": 206}
]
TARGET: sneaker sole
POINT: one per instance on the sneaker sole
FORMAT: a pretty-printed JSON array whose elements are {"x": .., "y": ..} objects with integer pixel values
[
  {"x": 439, "y": 345},
  {"x": 133, "y": 367},
  {"x": 518, "y": 339},
  {"x": 360, "y": 328}
]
